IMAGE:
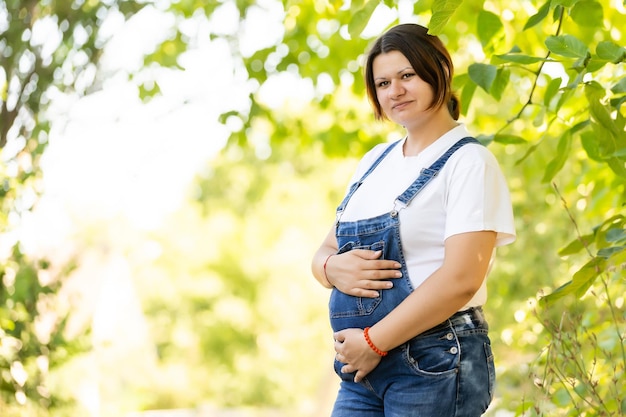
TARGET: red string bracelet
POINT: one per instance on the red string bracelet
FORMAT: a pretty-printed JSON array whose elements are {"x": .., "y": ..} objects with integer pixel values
[
  {"x": 325, "y": 275},
  {"x": 366, "y": 334}
]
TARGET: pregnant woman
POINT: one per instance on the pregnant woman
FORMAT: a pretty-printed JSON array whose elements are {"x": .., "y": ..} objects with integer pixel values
[{"x": 408, "y": 256}]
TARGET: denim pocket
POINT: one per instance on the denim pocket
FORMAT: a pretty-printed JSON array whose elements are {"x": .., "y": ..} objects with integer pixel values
[
  {"x": 434, "y": 355},
  {"x": 348, "y": 246},
  {"x": 343, "y": 305}
]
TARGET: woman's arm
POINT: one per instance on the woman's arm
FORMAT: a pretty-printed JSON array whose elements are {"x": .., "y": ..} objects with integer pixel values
[
  {"x": 449, "y": 288},
  {"x": 326, "y": 249},
  {"x": 466, "y": 261},
  {"x": 357, "y": 272}
]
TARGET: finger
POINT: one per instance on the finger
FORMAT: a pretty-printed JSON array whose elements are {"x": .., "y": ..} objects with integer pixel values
[
  {"x": 347, "y": 369},
  {"x": 359, "y": 376},
  {"x": 371, "y": 288},
  {"x": 378, "y": 274},
  {"x": 363, "y": 293},
  {"x": 376, "y": 282},
  {"x": 339, "y": 336},
  {"x": 386, "y": 264},
  {"x": 367, "y": 254}
]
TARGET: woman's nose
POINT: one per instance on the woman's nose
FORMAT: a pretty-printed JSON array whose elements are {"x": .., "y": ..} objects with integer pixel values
[{"x": 395, "y": 89}]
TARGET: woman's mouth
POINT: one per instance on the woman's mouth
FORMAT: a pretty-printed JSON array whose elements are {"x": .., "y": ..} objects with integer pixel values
[{"x": 402, "y": 105}]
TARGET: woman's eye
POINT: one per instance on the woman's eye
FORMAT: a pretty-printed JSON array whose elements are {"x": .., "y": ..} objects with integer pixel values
[
  {"x": 408, "y": 75},
  {"x": 383, "y": 83}
]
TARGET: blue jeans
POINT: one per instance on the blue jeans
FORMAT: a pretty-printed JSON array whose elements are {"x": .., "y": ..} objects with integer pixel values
[{"x": 447, "y": 371}]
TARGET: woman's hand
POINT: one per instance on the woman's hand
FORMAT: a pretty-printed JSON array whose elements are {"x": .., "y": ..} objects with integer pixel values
[
  {"x": 361, "y": 273},
  {"x": 353, "y": 350}
]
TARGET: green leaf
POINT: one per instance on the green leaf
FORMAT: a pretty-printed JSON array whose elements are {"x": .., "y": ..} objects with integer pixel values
[
  {"x": 594, "y": 64},
  {"x": 564, "y": 3},
  {"x": 499, "y": 84},
  {"x": 357, "y": 4},
  {"x": 591, "y": 145},
  {"x": 488, "y": 25},
  {"x": 615, "y": 222},
  {"x": 599, "y": 112},
  {"x": 567, "y": 94},
  {"x": 542, "y": 13},
  {"x": 562, "y": 153},
  {"x": 466, "y": 96},
  {"x": 618, "y": 102},
  {"x": 619, "y": 87},
  {"x": 508, "y": 139},
  {"x": 588, "y": 13},
  {"x": 573, "y": 84},
  {"x": 567, "y": 46},
  {"x": 581, "y": 63},
  {"x": 459, "y": 81},
  {"x": 610, "y": 51},
  {"x": 618, "y": 165},
  {"x": 442, "y": 12},
  {"x": 580, "y": 283},
  {"x": 605, "y": 140},
  {"x": 617, "y": 259},
  {"x": 576, "y": 245},
  {"x": 485, "y": 139},
  {"x": 579, "y": 126},
  {"x": 553, "y": 87},
  {"x": 483, "y": 75},
  {"x": 519, "y": 58},
  {"x": 361, "y": 18},
  {"x": 610, "y": 251}
]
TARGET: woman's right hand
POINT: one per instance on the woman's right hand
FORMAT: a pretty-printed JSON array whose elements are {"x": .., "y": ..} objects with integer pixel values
[{"x": 361, "y": 273}]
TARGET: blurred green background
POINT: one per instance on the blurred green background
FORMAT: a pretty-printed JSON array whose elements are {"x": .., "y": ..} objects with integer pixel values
[{"x": 168, "y": 169}]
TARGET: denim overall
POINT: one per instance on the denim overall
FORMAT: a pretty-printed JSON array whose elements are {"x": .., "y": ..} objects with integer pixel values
[{"x": 441, "y": 372}]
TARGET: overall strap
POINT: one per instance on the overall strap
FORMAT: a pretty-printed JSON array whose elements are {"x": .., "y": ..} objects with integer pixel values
[
  {"x": 357, "y": 184},
  {"x": 431, "y": 172}
]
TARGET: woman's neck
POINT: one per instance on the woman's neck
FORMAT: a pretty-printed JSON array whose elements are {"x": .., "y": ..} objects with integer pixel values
[{"x": 420, "y": 136}]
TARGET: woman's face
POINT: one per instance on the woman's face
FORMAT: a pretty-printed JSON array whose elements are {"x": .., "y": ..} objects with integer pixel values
[{"x": 403, "y": 96}]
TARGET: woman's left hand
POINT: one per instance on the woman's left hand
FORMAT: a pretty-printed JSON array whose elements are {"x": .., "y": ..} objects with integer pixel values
[{"x": 353, "y": 350}]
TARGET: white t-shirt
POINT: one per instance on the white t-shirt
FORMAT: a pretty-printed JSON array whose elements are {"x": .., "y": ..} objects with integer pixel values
[{"x": 469, "y": 194}]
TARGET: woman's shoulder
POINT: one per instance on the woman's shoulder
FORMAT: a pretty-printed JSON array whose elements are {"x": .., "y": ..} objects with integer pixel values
[{"x": 474, "y": 153}]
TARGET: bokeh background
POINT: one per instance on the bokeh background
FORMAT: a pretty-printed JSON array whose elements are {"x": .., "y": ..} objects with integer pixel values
[{"x": 168, "y": 168}]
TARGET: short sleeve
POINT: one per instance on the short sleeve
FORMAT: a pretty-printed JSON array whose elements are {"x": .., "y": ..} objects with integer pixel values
[{"x": 478, "y": 198}]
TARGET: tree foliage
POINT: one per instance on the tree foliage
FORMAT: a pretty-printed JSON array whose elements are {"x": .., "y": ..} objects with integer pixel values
[
  {"x": 541, "y": 82},
  {"x": 48, "y": 49}
]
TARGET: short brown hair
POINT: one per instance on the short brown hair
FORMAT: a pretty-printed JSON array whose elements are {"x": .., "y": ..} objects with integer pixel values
[{"x": 428, "y": 57}]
